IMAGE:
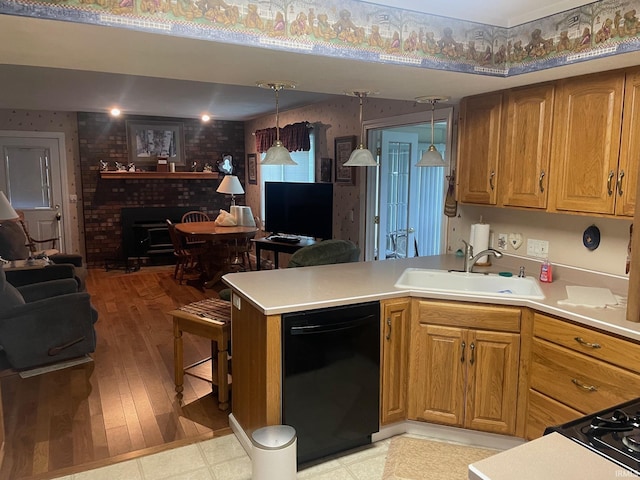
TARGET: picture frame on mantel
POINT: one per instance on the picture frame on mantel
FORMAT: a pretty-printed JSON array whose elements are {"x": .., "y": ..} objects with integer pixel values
[
  {"x": 150, "y": 140},
  {"x": 343, "y": 148},
  {"x": 252, "y": 168}
]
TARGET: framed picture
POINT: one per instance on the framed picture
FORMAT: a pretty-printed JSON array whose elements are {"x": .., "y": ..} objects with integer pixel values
[
  {"x": 252, "y": 168},
  {"x": 325, "y": 170},
  {"x": 343, "y": 148},
  {"x": 149, "y": 141}
]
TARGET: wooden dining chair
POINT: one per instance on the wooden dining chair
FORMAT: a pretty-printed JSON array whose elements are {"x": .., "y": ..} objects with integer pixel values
[
  {"x": 187, "y": 257},
  {"x": 194, "y": 216},
  {"x": 240, "y": 250}
]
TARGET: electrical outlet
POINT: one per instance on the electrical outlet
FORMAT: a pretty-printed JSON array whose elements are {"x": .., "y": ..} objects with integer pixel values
[{"x": 537, "y": 248}]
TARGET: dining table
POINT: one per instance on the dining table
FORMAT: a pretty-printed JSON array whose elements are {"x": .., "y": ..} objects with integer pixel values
[{"x": 217, "y": 240}]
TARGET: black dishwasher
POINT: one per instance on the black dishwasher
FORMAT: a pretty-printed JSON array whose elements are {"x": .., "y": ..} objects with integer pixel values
[{"x": 331, "y": 369}]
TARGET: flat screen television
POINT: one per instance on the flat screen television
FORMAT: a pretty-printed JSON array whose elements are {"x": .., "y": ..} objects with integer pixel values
[{"x": 304, "y": 209}]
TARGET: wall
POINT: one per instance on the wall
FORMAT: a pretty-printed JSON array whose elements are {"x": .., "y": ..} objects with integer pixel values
[
  {"x": 564, "y": 233},
  {"x": 102, "y": 137},
  {"x": 59, "y": 122},
  {"x": 334, "y": 118}
]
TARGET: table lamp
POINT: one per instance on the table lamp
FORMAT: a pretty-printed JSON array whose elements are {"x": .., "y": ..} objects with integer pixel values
[
  {"x": 230, "y": 185},
  {"x": 6, "y": 210}
]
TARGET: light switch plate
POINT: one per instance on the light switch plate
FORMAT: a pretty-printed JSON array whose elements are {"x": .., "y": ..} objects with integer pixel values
[{"x": 515, "y": 240}]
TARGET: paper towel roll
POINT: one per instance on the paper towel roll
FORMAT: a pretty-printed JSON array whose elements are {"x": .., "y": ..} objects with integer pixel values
[
  {"x": 479, "y": 240},
  {"x": 243, "y": 216}
]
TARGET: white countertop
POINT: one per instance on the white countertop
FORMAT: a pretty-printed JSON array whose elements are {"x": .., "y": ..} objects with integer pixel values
[
  {"x": 547, "y": 458},
  {"x": 295, "y": 289}
]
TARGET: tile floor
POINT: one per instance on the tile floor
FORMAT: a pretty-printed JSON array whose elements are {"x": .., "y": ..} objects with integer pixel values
[{"x": 224, "y": 458}]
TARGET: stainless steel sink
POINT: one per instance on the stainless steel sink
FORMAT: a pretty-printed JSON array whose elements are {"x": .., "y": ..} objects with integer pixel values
[{"x": 470, "y": 283}]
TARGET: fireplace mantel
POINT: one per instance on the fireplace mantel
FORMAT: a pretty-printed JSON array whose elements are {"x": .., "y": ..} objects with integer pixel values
[{"x": 114, "y": 175}]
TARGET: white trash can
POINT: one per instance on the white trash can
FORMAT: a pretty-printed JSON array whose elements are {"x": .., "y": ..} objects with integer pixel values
[{"x": 274, "y": 453}]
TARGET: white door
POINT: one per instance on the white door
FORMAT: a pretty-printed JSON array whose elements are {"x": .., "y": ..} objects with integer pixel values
[
  {"x": 32, "y": 173},
  {"x": 399, "y": 153}
]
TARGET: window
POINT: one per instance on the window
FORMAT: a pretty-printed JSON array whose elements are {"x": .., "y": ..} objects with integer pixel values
[{"x": 304, "y": 172}]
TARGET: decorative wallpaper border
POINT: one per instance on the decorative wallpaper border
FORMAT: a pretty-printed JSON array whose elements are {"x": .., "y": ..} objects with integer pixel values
[{"x": 367, "y": 32}]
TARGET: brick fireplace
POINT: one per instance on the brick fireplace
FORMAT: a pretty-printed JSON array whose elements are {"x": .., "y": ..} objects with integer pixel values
[{"x": 103, "y": 138}]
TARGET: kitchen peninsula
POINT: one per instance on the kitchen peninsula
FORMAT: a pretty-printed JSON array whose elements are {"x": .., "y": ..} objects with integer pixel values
[{"x": 260, "y": 298}]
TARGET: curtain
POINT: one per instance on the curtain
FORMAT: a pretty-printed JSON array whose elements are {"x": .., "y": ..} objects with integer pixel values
[{"x": 294, "y": 137}]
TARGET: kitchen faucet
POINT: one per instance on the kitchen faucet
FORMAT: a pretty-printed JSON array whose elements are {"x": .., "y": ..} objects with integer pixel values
[{"x": 470, "y": 259}]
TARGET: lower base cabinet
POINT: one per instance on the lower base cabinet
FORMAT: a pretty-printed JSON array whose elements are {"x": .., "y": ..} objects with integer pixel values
[{"x": 463, "y": 367}]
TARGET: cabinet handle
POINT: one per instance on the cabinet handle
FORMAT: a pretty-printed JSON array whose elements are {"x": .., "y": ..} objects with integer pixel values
[
  {"x": 464, "y": 345},
  {"x": 473, "y": 349},
  {"x": 540, "y": 181},
  {"x": 388, "y": 337},
  {"x": 589, "y": 388},
  {"x": 586, "y": 344},
  {"x": 619, "y": 184},
  {"x": 611, "y": 175},
  {"x": 491, "y": 184}
]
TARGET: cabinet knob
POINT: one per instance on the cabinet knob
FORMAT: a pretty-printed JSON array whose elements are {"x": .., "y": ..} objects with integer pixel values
[
  {"x": 609, "y": 178},
  {"x": 589, "y": 388},
  {"x": 586, "y": 344},
  {"x": 472, "y": 347},
  {"x": 540, "y": 181},
  {"x": 388, "y": 337},
  {"x": 464, "y": 345},
  {"x": 491, "y": 184}
]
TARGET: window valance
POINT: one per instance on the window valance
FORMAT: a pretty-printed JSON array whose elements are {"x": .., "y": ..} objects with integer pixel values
[{"x": 294, "y": 137}]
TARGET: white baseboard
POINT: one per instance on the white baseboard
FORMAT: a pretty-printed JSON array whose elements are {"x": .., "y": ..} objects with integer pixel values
[{"x": 241, "y": 435}]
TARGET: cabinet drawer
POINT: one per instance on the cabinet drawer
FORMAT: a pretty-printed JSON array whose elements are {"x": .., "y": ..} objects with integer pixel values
[
  {"x": 584, "y": 340},
  {"x": 469, "y": 315},
  {"x": 545, "y": 412},
  {"x": 581, "y": 382}
]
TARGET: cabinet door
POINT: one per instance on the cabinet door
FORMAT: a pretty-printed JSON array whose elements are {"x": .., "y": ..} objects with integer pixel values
[
  {"x": 479, "y": 141},
  {"x": 492, "y": 381},
  {"x": 527, "y": 146},
  {"x": 629, "y": 147},
  {"x": 587, "y": 125},
  {"x": 436, "y": 374},
  {"x": 395, "y": 360}
]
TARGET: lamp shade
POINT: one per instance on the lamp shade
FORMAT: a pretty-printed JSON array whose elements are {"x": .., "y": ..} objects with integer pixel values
[
  {"x": 277, "y": 155},
  {"x": 230, "y": 185},
  {"x": 431, "y": 158},
  {"x": 6, "y": 210},
  {"x": 361, "y": 157}
]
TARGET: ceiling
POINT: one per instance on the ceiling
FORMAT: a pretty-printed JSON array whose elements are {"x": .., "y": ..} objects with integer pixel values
[{"x": 64, "y": 66}]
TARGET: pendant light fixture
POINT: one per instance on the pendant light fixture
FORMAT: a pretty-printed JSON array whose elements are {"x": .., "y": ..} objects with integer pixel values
[
  {"x": 277, "y": 154},
  {"x": 361, "y": 157},
  {"x": 431, "y": 156}
]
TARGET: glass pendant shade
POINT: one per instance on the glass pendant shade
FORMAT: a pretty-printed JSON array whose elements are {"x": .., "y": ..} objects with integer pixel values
[
  {"x": 6, "y": 210},
  {"x": 361, "y": 157},
  {"x": 277, "y": 153},
  {"x": 431, "y": 156}
]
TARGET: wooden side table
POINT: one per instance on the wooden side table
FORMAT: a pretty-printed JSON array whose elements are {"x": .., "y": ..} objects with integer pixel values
[{"x": 215, "y": 326}]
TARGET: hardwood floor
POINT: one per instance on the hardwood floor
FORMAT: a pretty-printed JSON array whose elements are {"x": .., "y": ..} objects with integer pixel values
[{"x": 122, "y": 404}]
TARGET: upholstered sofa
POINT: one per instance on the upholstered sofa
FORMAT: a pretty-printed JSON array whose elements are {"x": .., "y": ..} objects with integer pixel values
[
  {"x": 325, "y": 253},
  {"x": 44, "y": 323}
]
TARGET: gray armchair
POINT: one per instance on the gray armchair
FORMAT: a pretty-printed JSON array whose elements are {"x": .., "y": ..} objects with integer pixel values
[
  {"x": 45, "y": 322},
  {"x": 325, "y": 253}
]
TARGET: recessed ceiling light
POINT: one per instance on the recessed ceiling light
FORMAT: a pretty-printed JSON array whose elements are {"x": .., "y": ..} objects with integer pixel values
[
  {"x": 115, "y": 112},
  {"x": 205, "y": 118}
]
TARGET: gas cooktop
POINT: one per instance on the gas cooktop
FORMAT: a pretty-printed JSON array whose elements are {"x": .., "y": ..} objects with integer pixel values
[{"x": 613, "y": 433}]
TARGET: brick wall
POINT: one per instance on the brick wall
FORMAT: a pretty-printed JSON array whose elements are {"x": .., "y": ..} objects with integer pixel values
[{"x": 102, "y": 137}]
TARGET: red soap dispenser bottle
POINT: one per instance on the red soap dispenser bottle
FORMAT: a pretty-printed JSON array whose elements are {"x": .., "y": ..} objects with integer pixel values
[{"x": 546, "y": 273}]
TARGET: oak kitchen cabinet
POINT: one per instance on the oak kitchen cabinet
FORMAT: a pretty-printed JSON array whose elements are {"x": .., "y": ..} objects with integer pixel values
[
  {"x": 463, "y": 367},
  {"x": 395, "y": 317},
  {"x": 629, "y": 162},
  {"x": 526, "y": 152},
  {"x": 575, "y": 371},
  {"x": 480, "y": 122},
  {"x": 587, "y": 128}
]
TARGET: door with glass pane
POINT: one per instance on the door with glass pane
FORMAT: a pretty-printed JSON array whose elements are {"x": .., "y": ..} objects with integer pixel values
[
  {"x": 30, "y": 176},
  {"x": 397, "y": 186}
]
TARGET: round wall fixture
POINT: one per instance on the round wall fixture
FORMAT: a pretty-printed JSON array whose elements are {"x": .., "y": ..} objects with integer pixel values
[{"x": 591, "y": 237}]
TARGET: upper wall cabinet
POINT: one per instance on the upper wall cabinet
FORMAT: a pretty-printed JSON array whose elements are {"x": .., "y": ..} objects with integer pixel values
[
  {"x": 526, "y": 152},
  {"x": 629, "y": 163},
  {"x": 479, "y": 148},
  {"x": 587, "y": 127}
]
